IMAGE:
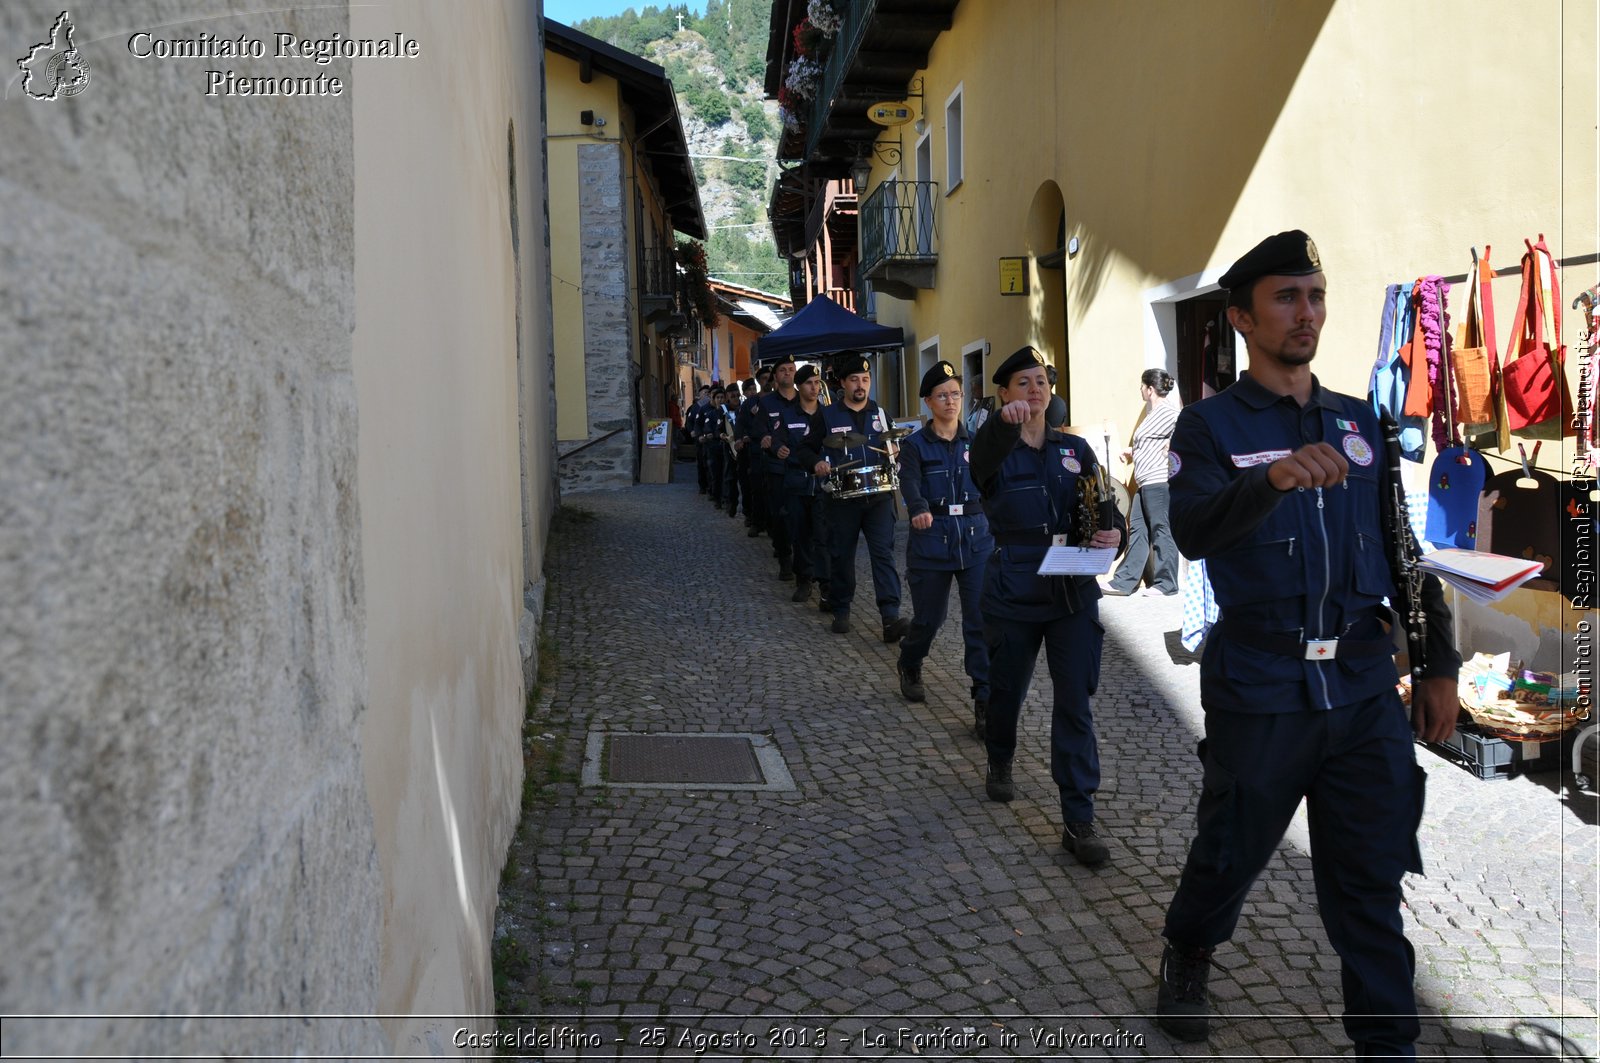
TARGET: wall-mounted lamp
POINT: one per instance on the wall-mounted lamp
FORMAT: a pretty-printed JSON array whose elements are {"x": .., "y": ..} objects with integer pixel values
[
  {"x": 861, "y": 169},
  {"x": 920, "y": 125},
  {"x": 860, "y": 173}
]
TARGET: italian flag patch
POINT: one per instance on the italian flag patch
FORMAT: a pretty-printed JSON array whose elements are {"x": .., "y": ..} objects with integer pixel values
[{"x": 1348, "y": 426}]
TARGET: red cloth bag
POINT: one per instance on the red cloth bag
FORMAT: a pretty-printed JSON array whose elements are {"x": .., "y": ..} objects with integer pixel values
[{"x": 1534, "y": 377}]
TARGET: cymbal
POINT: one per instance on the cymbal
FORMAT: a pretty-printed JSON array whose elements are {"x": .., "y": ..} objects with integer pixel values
[
  {"x": 841, "y": 440},
  {"x": 897, "y": 433}
]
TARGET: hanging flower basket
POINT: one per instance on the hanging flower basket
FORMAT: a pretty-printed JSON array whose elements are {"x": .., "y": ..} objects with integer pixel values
[
  {"x": 803, "y": 77},
  {"x": 824, "y": 16},
  {"x": 692, "y": 256}
]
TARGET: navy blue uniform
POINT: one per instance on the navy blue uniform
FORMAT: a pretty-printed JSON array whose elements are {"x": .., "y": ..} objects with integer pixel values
[
  {"x": 750, "y": 464},
  {"x": 716, "y": 450},
  {"x": 771, "y": 410},
  {"x": 1290, "y": 713},
  {"x": 1031, "y": 498},
  {"x": 936, "y": 478},
  {"x": 800, "y": 432},
  {"x": 695, "y": 423},
  {"x": 849, "y": 519},
  {"x": 730, "y": 459}
]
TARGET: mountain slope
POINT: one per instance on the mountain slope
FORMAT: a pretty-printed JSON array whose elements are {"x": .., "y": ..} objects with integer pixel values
[{"x": 716, "y": 63}]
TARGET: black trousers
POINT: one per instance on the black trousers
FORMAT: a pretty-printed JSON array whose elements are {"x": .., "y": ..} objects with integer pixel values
[
  {"x": 1356, "y": 768},
  {"x": 808, "y": 537},
  {"x": 777, "y": 520}
]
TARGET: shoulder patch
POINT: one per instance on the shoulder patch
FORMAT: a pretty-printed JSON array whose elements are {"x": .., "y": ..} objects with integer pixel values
[{"x": 1357, "y": 449}]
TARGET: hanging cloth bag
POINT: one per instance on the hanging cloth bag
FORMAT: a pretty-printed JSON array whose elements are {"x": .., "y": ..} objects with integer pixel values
[
  {"x": 1414, "y": 353},
  {"x": 1456, "y": 478},
  {"x": 1476, "y": 361},
  {"x": 1535, "y": 377}
]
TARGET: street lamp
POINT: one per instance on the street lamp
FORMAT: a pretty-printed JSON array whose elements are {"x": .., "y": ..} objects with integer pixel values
[{"x": 860, "y": 173}]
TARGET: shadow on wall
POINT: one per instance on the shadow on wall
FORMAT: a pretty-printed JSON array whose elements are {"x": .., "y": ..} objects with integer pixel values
[{"x": 1177, "y": 101}]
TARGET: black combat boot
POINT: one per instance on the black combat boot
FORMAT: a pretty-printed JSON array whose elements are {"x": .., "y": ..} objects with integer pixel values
[
  {"x": 911, "y": 683},
  {"x": 998, "y": 785},
  {"x": 802, "y": 590},
  {"x": 1182, "y": 1006},
  {"x": 1084, "y": 842},
  {"x": 895, "y": 630}
]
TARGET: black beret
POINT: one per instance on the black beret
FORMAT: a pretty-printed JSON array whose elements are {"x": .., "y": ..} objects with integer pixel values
[
  {"x": 782, "y": 359},
  {"x": 1290, "y": 254},
  {"x": 848, "y": 364},
  {"x": 937, "y": 374},
  {"x": 804, "y": 373},
  {"x": 1025, "y": 358}
]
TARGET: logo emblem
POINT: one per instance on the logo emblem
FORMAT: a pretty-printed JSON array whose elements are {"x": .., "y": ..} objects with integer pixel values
[
  {"x": 1071, "y": 464},
  {"x": 1357, "y": 449},
  {"x": 54, "y": 69},
  {"x": 1174, "y": 463}
]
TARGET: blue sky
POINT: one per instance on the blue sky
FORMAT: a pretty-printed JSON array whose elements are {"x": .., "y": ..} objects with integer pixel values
[{"x": 569, "y": 12}]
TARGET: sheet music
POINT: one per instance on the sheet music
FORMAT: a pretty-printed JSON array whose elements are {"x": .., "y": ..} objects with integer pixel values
[{"x": 1077, "y": 561}]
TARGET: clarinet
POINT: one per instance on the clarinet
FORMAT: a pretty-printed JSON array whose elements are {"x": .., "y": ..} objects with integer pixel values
[
  {"x": 1404, "y": 554},
  {"x": 1097, "y": 506}
]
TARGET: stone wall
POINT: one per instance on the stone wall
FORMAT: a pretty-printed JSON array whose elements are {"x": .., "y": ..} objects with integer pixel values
[
  {"x": 182, "y": 644},
  {"x": 276, "y": 473},
  {"x": 608, "y": 326}
]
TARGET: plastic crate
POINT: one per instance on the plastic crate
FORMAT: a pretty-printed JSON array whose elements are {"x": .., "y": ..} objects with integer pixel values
[
  {"x": 1488, "y": 757},
  {"x": 1485, "y": 757}
]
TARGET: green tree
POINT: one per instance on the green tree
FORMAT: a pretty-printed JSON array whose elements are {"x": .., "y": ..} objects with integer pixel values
[{"x": 756, "y": 121}]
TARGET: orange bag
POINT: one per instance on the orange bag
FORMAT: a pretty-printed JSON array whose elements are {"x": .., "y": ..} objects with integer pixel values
[
  {"x": 1475, "y": 361},
  {"x": 1414, "y": 352},
  {"x": 1534, "y": 376}
]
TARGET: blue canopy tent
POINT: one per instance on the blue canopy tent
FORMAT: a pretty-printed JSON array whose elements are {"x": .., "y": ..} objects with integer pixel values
[{"x": 823, "y": 327}]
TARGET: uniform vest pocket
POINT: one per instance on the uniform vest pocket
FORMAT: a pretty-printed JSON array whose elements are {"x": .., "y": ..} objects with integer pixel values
[{"x": 1259, "y": 572}]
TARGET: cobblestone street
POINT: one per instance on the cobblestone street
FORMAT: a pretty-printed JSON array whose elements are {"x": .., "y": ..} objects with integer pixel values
[{"x": 883, "y": 908}]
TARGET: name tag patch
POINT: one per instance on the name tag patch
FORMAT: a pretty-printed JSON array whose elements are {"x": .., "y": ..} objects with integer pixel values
[{"x": 1260, "y": 457}]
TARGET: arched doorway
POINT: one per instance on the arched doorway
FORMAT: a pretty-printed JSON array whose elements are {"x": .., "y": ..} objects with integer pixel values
[{"x": 1047, "y": 301}]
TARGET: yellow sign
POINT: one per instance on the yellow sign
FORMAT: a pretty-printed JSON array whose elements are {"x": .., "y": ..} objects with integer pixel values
[
  {"x": 1014, "y": 276},
  {"x": 890, "y": 113}
]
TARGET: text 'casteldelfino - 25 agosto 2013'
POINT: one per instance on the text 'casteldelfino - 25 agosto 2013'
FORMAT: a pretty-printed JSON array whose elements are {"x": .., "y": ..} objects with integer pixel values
[{"x": 318, "y": 50}]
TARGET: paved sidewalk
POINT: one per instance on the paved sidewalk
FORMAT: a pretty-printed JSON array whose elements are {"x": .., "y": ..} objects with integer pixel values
[{"x": 885, "y": 894}]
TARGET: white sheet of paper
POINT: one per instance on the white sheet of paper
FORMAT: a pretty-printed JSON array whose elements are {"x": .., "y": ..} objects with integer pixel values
[{"x": 1077, "y": 561}]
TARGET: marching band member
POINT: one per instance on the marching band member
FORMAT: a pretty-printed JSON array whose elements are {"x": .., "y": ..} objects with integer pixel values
[
  {"x": 856, "y": 415},
  {"x": 771, "y": 409},
  {"x": 1028, "y": 474},
  {"x": 949, "y": 538},
  {"x": 801, "y": 505}
]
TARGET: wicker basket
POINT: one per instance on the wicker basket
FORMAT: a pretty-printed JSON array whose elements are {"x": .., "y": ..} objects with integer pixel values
[{"x": 1522, "y": 722}]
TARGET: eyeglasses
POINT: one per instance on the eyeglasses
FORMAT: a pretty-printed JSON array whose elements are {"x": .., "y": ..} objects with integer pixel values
[{"x": 945, "y": 398}]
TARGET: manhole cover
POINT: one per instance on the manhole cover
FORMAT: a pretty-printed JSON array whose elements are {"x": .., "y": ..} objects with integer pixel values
[
  {"x": 679, "y": 758},
  {"x": 678, "y": 761}
]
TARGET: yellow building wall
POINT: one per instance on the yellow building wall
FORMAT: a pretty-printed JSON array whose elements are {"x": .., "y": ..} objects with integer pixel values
[{"x": 1178, "y": 134}]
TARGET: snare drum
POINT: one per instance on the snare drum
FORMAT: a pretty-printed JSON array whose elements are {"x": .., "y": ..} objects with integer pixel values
[{"x": 859, "y": 483}]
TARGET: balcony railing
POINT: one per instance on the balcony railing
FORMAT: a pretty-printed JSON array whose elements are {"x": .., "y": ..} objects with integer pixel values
[
  {"x": 858, "y": 15},
  {"x": 899, "y": 236},
  {"x": 658, "y": 272}
]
